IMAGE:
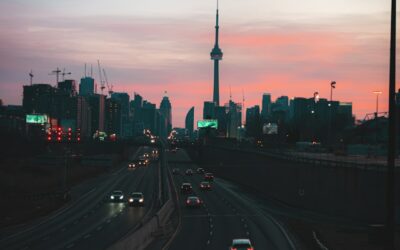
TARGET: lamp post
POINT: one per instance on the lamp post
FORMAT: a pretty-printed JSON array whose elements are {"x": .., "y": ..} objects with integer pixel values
[
  {"x": 391, "y": 156},
  {"x": 333, "y": 85},
  {"x": 377, "y": 93}
]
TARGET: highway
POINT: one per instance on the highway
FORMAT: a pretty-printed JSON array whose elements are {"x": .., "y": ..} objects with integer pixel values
[
  {"x": 226, "y": 214},
  {"x": 90, "y": 221}
]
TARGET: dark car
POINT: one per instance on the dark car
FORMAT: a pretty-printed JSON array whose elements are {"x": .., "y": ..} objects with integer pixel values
[
  {"x": 208, "y": 177},
  {"x": 205, "y": 185},
  {"x": 117, "y": 196},
  {"x": 132, "y": 165},
  {"x": 241, "y": 244},
  {"x": 176, "y": 171},
  {"x": 186, "y": 188},
  {"x": 136, "y": 199},
  {"x": 189, "y": 172},
  {"x": 193, "y": 201},
  {"x": 200, "y": 170}
]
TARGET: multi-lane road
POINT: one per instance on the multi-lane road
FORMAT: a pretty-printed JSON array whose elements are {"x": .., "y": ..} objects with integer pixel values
[
  {"x": 90, "y": 221},
  {"x": 227, "y": 213}
]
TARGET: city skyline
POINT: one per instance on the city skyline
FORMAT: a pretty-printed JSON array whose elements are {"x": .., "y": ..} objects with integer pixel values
[{"x": 267, "y": 52}]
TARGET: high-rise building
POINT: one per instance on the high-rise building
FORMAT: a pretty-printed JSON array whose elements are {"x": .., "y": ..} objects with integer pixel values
[
  {"x": 209, "y": 110},
  {"x": 266, "y": 106},
  {"x": 166, "y": 111},
  {"x": 87, "y": 86},
  {"x": 97, "y": 106},
  {"x": 148, "y": 116},
  {"x": 234, "y": 119},
  {"x": 216, "y": 55},
  {"x": 123, "y": 99},
  {"x": 189, "y": 122},
  {"x": 38, "y": 98},
  {"x": 113, "y": 111},
  {"x": 253, "y": 122},
  {"x": 68, "y": 87}
]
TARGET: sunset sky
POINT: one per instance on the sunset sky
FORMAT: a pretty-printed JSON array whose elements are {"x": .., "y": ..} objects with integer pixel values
[{"x": 283, "y": 47}]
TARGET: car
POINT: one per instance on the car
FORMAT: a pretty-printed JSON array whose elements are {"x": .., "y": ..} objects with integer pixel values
[
  {"x": 136, "y": 199},
  {"x": 132, "y": 165},
  {"x": 146, "y": 155},
  {"x": 186, "y": 188},
  {"x": 117, "y": 196},
  {"x": 173, "y": 150},
  {"x": 193, "y": 201},
  {"x": 200, "y": 170},
  {"x": 189, "y": 171},
  {"x": 205, "y": 185},
  {"x": 241, "y": 244},
  {"x": 176, "y": 171},
  {"x": 208, "y": 177}
]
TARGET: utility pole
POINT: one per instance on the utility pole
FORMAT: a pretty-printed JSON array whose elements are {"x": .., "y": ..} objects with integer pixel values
[
  {"x": 333, "y": 85},
  {"x": 390, "y": 178}
]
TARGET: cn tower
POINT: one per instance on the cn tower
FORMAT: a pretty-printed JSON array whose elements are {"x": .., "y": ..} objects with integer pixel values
[{"x": 216, "y": 55}]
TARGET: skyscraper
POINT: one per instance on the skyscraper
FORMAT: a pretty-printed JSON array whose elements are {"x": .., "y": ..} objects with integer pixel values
[
  {"x": 165, "y": 110},
  {"x": 87, "y": 86},
  {"x": 266, "y": 106},
  {"x": 189, "y": 122},
  {"x": 216, "y": 55}
]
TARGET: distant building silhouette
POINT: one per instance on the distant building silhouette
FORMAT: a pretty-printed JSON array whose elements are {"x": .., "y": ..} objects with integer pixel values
[
  {"x": 166, "y": 111},
  {"x": 189, "y": 122},
  {"x": 87, "y": 86},
  {"x": 266, "y": 106},
  {"x": 209, "y": 110}
]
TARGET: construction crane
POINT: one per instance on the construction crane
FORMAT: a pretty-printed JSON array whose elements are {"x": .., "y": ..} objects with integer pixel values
[
  {"x": 102, "y": 87},
  {"x": 31, "y": 76},
  {"x": 65, "y": 73},
  {"x": 109, "y": 87},
  {"x": 56, "y": 72}
]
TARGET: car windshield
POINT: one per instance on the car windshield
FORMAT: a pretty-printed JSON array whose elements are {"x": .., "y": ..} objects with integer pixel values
[
  {"x": 137, "y": 195},
  {"x": 117, "y": 193}
]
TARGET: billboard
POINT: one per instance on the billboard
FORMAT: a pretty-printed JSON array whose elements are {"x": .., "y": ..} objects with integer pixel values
[
  {"x": 36, "y": 119},
  {"x": 207, "y": 124},
  {"x": 270, "y": 129}
]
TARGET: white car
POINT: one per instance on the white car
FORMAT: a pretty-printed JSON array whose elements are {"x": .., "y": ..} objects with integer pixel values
[{"x": 241, "y": 244}]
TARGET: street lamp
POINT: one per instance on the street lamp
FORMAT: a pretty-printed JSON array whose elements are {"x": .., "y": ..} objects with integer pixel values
[
  {"x": 333, "y": 85},
  {"x": 377, "y": 93}
]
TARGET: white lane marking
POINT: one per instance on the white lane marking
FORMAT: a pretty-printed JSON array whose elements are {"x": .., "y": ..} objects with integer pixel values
[
  {"x": 108, "y": 221},
  {"x": 87, "y": 236},
  {"x": 208, "y": 242},
  {"x": 211, "y": 233},
  {"x": 247, "y": 233},
  {"x": 99, "y": 228}
]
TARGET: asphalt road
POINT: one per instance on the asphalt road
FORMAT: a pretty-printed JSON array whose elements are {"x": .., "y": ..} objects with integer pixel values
[
  {"x": 91, "y": 221},
  {"x": 225, "y": 215}
]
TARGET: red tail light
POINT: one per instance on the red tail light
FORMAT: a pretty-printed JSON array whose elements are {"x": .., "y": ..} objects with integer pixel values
[
  {"x": 233, "y": 248},
  {"x": 187, "y": 202},
  {"x": 49, "y": 138},
  {"x": 250, "y": 248}
]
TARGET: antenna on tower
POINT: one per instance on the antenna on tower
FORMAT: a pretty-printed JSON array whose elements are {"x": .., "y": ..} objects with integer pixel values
[
  {"x": 230, "y": 93},
  {"x": 85, "y": 70},
  {"x": 91, "y": 70},
  {"x": 31, "y": 76}
]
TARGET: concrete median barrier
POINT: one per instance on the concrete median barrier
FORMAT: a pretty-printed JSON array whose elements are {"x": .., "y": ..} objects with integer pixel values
[{"x": 144, "y": 235}]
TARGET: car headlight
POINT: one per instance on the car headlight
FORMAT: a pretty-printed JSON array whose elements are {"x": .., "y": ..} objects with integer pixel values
[
  {"x": 112, "y": 197},
  {"x": 141, "y": 200},
  {"x": 121, "y": 197},
  {"x": 130, "y": 200}
]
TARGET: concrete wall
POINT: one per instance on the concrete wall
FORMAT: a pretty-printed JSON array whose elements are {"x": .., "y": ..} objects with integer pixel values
[{"x": 354, "y": 193}]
